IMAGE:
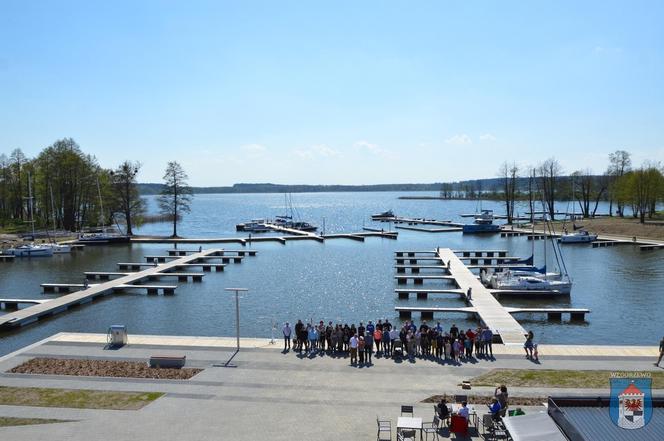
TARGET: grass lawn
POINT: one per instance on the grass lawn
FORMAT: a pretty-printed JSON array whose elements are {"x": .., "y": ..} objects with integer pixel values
[
  {"x": 553, "y": 378},
  {"x": 75, "y": 398},
  {"x": 9, "y": 421}
]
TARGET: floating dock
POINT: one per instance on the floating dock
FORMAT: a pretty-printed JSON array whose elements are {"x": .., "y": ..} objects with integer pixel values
[
  {"x": 482, "y": 302},
  {"x": 360, "y": 236},
  {"x": 417, "y": 221},
  {"x": 124, "y": 281}
]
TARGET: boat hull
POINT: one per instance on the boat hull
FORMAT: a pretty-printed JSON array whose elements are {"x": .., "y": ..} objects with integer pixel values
[
  {"x": 32, "y": 252},
  {"x": 481, "y": 228}
]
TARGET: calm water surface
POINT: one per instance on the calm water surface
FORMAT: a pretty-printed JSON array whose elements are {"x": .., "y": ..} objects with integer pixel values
[{"x": 339, "y": 280}]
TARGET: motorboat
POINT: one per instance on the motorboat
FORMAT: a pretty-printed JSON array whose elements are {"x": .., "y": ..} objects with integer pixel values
[
  {"x": 581, "y": 236},
  {"x": 384, "y": 215},
  {"x": 59, "y": 248},
  {"x": 31, "y": 250},
  {"x": 483, "y": 223},
  {"x": 303, "y": 226},
  {"x": 103, "y": 237},
  {"x": 254, "y": 226}
]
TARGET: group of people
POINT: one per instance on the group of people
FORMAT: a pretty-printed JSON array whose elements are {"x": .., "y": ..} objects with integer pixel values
[
  {"x": 497, "y": 408},
  {"x": 359, "y": 341}
]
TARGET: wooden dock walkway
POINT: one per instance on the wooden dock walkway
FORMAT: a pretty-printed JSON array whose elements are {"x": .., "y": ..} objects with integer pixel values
[
  {"x": 552, "y": 313},
  {"x": 603, "y": 240},
  {"x": 12, "y": 304},
  {"x": 430, "y": 230},
  {"x": 360, "y": 236},
  {"x": 490, "y": 311},
  {"x": 417, "y": 221},
  {"x": 34, "y": 313}
]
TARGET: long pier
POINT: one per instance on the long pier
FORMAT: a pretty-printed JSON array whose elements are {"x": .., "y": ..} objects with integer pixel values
[
  {"x": 127, "y": 281},
  {"x": 482, "y": 302},
  {"x": 603, "y": 240},
  {"x": 417, "y": 221},
  {"x": 360, "y": 236}
]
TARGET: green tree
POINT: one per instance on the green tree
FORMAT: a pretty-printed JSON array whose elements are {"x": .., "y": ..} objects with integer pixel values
[
  {"x": 620, "y": 162},
  {"x": 175, "y": 198},
  {"x": 126, "y": 199}
]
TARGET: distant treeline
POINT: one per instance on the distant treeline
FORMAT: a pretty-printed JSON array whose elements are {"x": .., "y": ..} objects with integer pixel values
[{"x": 461, "y": 187}]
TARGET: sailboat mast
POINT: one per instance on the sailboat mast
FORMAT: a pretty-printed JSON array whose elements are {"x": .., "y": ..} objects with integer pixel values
[
  {"x": 30, "y": 207},
  {"x": 50, "y": 190},
  {"x": 101, "y": 206}
]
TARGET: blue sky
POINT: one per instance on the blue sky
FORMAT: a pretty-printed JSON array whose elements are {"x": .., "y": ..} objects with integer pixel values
[{"x": 334, "y": 92}]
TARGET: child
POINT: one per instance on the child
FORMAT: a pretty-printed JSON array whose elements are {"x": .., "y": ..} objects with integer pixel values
[{"x": 535, "y": 353}]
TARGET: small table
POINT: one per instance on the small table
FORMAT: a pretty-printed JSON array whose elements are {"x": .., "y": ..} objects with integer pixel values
[{"x": 410, "y": 423}]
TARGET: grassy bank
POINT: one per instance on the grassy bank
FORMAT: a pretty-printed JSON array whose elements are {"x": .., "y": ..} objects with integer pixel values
[
  {"x": 554, "y": 378},
  {"x": 10, "y": 421},
  {"x": 75, "y": 398},
  {"x": 628, "y": 227}
]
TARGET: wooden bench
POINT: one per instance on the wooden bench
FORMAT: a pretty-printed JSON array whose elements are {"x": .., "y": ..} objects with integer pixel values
[{"x": 167, "y": 361}]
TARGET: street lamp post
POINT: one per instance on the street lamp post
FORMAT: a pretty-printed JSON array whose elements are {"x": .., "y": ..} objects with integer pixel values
[{"x": 237, "y": 323}]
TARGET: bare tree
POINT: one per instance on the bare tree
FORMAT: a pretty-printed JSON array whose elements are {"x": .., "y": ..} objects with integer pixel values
[
  {"x": 509, "y": 174},
  {"x": 175, "y": 198},
  {"x": 620, "y": 162},
  {"x": 549, "y": 172},
  {"x": 125, "y": 193}
]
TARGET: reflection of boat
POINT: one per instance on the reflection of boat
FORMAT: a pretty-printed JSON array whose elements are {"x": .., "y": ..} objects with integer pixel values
[
  {"x": 31, "y": 250},
  {"x": 384, "y": 215},
  {"x": 581, "y": 236},
  {"x": 254, "y": 226},
  {"x": 483, "y": 224}
]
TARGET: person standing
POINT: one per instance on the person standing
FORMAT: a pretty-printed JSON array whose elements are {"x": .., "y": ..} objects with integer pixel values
[
  {"x": 501, "y": 395},
  {"x": 528, "y": 345},
  {"x": 488, "y": 341},
  {"x": 360, "y": 348},
  {"x": 378, "y": 337},
  {"x": 287, "y": 336},
  {"x": 299, "y": 326},
  {"x": 661, "y": 351},
  {"x": 368, "y": 347},
  {"x": 353, "y": 343}
]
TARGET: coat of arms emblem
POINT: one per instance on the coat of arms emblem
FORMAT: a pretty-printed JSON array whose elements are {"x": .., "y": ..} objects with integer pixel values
[{"x": 631, "y": 402}]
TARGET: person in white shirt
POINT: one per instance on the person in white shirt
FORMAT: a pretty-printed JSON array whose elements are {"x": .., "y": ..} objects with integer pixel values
[
  {"x": 287, "y": 333},
  {"x": 353, "y": 349},
  {"x": 464, "y": 411}
]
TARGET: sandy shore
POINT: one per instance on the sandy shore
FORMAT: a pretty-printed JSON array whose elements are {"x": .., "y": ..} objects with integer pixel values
[{"x": 628, "y": 227}]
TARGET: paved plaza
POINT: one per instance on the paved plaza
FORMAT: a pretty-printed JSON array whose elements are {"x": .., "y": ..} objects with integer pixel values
[{"x": 271, "y": 395}]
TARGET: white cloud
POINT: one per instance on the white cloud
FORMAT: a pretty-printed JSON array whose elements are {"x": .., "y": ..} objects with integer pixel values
[
  {"x": 374, "y": 149},
  {"x": 317, "y": 151},
  {"x": 487, "y": 137},
  {"x": 459, "y": 139}
]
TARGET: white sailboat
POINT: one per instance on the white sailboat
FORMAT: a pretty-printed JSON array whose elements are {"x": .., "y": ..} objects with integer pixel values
[
  {"x": 58, "y": 248},
  {"x": 534, "y": 280},
  {"x": 31, "y": 249}
]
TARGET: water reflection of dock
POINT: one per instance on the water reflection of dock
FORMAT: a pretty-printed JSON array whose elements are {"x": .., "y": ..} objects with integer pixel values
[{"x": 482, "y": 302}]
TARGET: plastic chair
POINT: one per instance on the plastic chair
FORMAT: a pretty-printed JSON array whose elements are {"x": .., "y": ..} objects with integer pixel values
[
  {"x": 432, "y": 427},
  {"x": 384, "y": 430},
  {"x": 407, "y": 409}
]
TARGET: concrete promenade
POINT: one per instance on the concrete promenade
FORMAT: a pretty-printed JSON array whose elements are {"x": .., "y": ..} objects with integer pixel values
[{"x": 270, "y": 394}]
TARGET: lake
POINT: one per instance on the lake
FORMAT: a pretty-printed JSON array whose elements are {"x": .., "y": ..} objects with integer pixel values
[{"x": 340, "y": 280}]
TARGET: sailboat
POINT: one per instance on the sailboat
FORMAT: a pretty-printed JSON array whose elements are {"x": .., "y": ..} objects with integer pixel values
[
  {"x": 538, "y": 279},
  {"x": 287, "y": 221},
  {"x": 31, "y": 249},
  {"x": 104, "y": 236},
  {"x": 58, "y": 248}
]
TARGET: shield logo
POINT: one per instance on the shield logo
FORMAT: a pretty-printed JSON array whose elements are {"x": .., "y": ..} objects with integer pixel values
[{"x": 631, "y": 402}]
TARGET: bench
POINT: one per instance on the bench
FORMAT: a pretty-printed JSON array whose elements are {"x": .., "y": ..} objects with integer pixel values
[{"x": 167, "y": 361}]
